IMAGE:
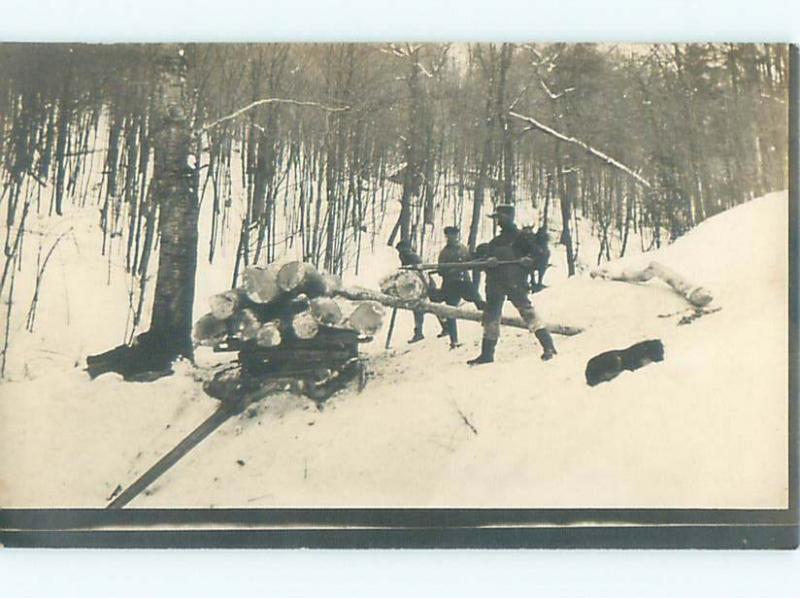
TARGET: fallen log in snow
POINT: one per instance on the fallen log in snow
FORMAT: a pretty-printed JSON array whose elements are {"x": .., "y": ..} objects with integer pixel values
[
  {"x": 694, "y": 294},
  {"x": 442, "y": 310}
]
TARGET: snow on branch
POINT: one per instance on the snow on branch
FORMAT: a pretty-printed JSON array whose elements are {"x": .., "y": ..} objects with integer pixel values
[
  {"x": 553, "y": 95},
  {"x": 423, "y": 70},
  {"x": 769, "y": 97},
  {"x": 272, "y": 101},
  {"x": 534, "y": 124},
  {"x": 519, "y": 97},
  {"x": 410, "y": 51}
]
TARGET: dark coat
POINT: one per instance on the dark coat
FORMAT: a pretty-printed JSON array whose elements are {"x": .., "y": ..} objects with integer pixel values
[
  {"x": 453, "y": 254},
  {"x": 409, "y": 258},
  {"x": 506, "y": 246}
]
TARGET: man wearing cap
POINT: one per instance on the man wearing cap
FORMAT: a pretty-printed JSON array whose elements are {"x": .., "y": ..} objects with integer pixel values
[
  {"x": 408, "y": 257},
  {"x": 456, "y": 283},
  {"x": 508, "y": 281}
]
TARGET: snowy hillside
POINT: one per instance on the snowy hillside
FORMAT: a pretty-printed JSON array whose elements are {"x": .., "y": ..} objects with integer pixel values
[{"x": 707, "y": 427}]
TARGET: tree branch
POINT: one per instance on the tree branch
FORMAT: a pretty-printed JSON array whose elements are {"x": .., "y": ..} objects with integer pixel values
[
  {"x": 272, "y": 101},
  {"x": 554, "y": 96},
  {"x": 534, "y": 124}
]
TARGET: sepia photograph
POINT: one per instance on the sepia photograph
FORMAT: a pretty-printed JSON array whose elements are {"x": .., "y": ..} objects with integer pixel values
[{"x": 398, "y": 285}]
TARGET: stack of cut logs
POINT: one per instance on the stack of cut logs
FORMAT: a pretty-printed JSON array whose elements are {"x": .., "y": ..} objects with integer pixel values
[{"x": 283, "y": 300}]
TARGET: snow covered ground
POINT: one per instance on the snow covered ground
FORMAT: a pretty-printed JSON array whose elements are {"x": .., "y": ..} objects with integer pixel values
[{"x": 707, "y": 427}]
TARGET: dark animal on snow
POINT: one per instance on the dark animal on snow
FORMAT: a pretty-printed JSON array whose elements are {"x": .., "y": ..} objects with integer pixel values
[
  {"x": 534, "y": 245},
  {"x": 147, "y": 358},
  {"x": 607, "y": 366}
]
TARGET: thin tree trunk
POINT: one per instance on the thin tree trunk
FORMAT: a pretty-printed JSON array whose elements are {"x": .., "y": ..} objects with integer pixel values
[{"x": 567, "y": 201}]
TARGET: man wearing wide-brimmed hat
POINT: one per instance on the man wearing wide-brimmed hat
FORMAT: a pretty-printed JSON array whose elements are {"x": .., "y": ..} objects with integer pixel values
[{"x": 505, "y": 280}]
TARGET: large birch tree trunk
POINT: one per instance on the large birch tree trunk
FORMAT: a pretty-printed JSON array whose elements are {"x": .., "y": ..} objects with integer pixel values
[{"x": 171, "y": 323}]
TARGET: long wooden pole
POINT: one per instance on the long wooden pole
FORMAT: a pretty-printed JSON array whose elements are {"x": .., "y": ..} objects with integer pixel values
[
  {"x": 470, "y": 265},
  {"x": 442, "y": 310},
  {"x": 219, "y": 417},
  {"x": 391, "y": 328},
  {"x": 224, "y": 412}
]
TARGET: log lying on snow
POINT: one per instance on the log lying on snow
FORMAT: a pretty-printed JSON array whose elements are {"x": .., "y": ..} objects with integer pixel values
[
  {"x": 441, "y": 310},
  {"x": 694, "y": 294}
]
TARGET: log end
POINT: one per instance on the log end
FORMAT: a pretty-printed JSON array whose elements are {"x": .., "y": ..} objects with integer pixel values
[
  {"x": 292, "y": 275},
  {"x": 269, "y": 335},
  {"x": 326, "y": 311},
  {"x": 367, "y": 318},
  {"x": 246, "y": 325},
  {"x": 224, "y": 305},
  {"x": 260, "y": 284},
  {"x": 209, "y": 330},
  {"x": 700, "y": 297},
  {"x": 305, "y": 326}
]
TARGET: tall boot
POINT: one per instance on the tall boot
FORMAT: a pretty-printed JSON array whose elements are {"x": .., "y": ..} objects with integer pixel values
[
  {"x": 544, "y": 338},
  {"x": 419, "y": 320},
  {"x": 487, "y": 352},
  {"x": 452, "y": 330}
]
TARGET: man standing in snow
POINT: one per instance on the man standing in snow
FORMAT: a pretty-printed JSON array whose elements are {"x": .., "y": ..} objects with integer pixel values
[
  {"x": 508, "y": 281},
  {"x": 408, "y": 257},
  {"x": 456, "y": 283}
]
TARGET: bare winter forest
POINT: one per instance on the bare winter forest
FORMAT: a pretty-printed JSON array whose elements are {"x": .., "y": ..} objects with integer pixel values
[
  {"x": 200, "y": 250},
  {"x": 322, "y": 148}
]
